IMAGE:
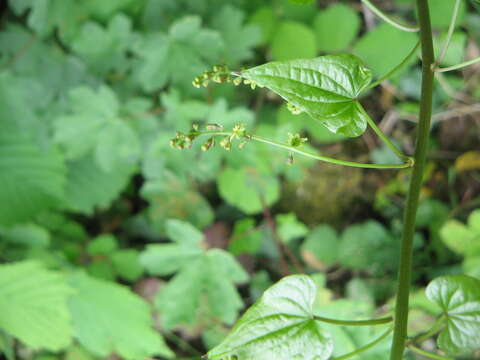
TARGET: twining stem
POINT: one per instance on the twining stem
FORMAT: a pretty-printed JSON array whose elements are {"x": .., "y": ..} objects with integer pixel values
[
  {"x": 388, "y": 19},
  {"x": 366, "y": 347},
  {"x": 386, "y": 140},
  {"x": 327, "y": 159},
  {"x": 458, "y": 66},
  {"x": 406, "y": 252},
  {"x": 429, "y": 354},
  {"x": 369, "y": 322},
  {"x": 437, "y": 327},
  {"x": 451, "y": 28},
  {"x": 396, "y": 68}
]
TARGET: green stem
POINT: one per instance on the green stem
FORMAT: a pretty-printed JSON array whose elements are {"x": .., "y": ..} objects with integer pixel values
[
  {"x": 451, "y": 28},
  {"x": 428, "y": 354},
  {"x": 369, "y": 322},
  {"x": 458, "y": 66},
  {"x": 386, "y": 140},
  {"x": 406, "y": 252},
  {"x": 312, "y": 155},
  {"x": 439, "y": 324},
  {"x": 366, "y": 347},
  {"x": 388, "y": 19},
  {"x": 396, "y": 68}
]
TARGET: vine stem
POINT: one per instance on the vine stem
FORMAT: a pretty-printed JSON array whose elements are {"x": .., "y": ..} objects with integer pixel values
[
  {"x": 429, "y": 354},
  {"x": 451, "y": 28},
  {"x": 369, "y": 322},
  {"x": 406, "y": 252},
  {"x": 291, "y": 149},
  {"x": 458, "y": 66},
  {"x": 396, "y": 68},
  {"x": 388, "y": 19},
  {"x": 366, "y": 347}
]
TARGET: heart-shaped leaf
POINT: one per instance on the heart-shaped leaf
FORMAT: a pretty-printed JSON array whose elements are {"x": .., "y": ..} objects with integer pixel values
[
  {"x": 459, "y": 298},
  {"x": 279, "y": 326},
  {"x": 326, "y": 87}
]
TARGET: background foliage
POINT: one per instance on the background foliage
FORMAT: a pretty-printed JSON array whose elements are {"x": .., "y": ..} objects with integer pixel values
[{"x": 115, "y": 245}]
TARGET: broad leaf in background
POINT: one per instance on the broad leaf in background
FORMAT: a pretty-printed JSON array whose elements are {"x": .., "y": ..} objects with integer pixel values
[
  {"x": 89, "y": 186},
  {"x": 94, "y": 126},
  {"x": 248, "y": 189},
  {"x": 105, "y": 49},
  {"x": 279, "y": 326},
  {"x": 293, "y": 40},
  {"x": 320, "y": 248},
  {"x": 245, "y": 238},
  {"x": 336, "y": 27},
  {"x": 208, "y": 277},
  {"x": 326, "y": 88},
  {"x": 384, "y": 47},
  {"x": 33, "y": 304},
  {"x": 108, "y": 318},
  {"x": 441, "y": 13},
  {"x": 459, "y": 298},
  {"x": 239, "y": 39},
  {"x": 289, "y": 227},
  {"x": 456, "y": 49},
  {"x": 172, "y": 197},
  {"x": 187, "y": 46}
]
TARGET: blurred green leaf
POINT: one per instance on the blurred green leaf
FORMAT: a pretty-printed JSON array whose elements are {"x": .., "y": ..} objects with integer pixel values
[
  {"x": 33, "y": 303},
  {"x": 102, "y": 245},
  {"x": 293, "y": 40},
  {"x": 456, "y": 49},
  {"x": 245, "y": 238},
  {"x": 127, "y": 264},
  {"x": 344, "y": 20},
  {"x": 384, "y": 47},
  {"x": 248, "y": 189},
  {"x": 289, "y": 227},
  {"x": 320, "y": 248},
  {"x": 108, "y": 318},
  {"x": 441, "y": 13}
]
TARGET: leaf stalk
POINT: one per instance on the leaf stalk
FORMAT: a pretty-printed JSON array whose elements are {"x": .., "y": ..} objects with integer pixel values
[
  {"x": 366, "y": 347},
  {"x": 369, "y": 322},
  {"x": 388, "y": 19}
]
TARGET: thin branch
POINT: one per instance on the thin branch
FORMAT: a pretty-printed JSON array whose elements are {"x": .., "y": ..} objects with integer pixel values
[
  {"x": 388, "y": 19},
  {"x": 296, "y": 150},
  {"x": 429, "y": 354},
  {"x": 458, "y": 66},
  {"x": 370, "y": 322},
  {"x": 451, "y": 29},
  {"x": 396, "y": 68},
  {"x": 366, "y": 347},
  {"x": 387, "y": 140}
]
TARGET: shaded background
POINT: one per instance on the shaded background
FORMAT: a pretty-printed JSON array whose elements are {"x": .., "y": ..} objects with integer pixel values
[{"x": 92, "y": 91}]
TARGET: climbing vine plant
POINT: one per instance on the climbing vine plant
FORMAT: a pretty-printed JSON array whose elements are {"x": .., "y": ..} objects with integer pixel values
[{"x": 283, "y": 324}]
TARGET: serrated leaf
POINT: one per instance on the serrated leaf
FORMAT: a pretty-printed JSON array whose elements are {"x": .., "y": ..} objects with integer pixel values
[
  {"x": 31, "y": 179},
  {"x": 109, "y": 318},
  {"x": 187, "y": 46},
  {"x": 459, "y": 298},
  {"x": 89, "y": 186},
  {"x": 239, "y": 39},
  {"x": 207, "y": 277},
  {"x": 326, "y": 88},
  {"x": 105, "y": 49},
  {"x": 279, "y": 326},
  {"x": 33, "y": 303}
]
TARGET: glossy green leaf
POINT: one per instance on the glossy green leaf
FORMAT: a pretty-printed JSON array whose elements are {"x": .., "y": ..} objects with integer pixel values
[
  {"x": 459, "y": 298},
  {"x": 327, "y": 88},
  {"x": 279, "y": 326}
]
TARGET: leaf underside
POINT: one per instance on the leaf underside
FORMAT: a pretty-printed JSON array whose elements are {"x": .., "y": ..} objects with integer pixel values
[{"x": 327, "y": 88}]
